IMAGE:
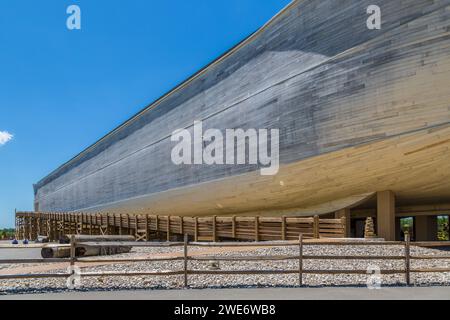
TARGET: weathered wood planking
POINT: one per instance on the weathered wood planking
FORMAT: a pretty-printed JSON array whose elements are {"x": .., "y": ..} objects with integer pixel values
[{"x": 358, "y": 110}]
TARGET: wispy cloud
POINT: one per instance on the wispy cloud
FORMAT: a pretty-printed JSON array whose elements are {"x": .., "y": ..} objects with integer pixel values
[{"x": 5, "y": 136}]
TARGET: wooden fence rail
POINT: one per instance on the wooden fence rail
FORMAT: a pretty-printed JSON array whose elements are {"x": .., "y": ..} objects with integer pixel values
[
  {"x": 146, "y": 227},
  {"x": 186, "y": 271}
]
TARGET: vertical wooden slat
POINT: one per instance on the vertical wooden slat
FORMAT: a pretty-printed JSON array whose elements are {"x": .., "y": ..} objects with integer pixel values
[
  {"x": 196, "y": 229},
  {"x": 256, "y": 229},
  {"x": 344, "y": 226},
  {"x": 90, "y": 224},
  {"x": 283, "y": 228},
  {"x": 157, "y": 226},
  {"x": 181, "y": 225},
  {"x": 136, "y": 224},
  {"x": 316, "y": 227},
  {"x": 147, "y": 227}
]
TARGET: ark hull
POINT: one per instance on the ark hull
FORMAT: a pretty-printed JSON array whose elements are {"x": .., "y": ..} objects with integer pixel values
[{"x": 359, "y": 111}]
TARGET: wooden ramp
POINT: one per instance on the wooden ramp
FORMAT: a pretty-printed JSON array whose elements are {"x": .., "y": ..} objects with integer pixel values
[{"x": 146, "y": 227}]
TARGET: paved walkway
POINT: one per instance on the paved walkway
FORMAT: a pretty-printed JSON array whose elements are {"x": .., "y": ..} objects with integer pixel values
[{"x": 353, "y": 293}]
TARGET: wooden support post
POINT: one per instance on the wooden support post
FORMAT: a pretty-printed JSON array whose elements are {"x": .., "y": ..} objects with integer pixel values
[
  {"x": 233, "y": 227},
  {"x": 196, "y": 229},
  {"x": 300, "y": 259},
  {"x": 386, "y": 215},
  {"x": 407, "y": 258},
  {"x": 129, "y": 224},
  {"x": 120, "y": 225},
  {"x": 214, "y": 228},
  {"x": 90, "y": 224},
  {"x": 316, "y": 227},
  {"x": 168, "y": 228},
  {"x": 283, "y": 228},
  {"x": 181, "y": 225},
  {"x": 157, "y": 226},
  {"x": 108, "y": 226},
  {"x": 185, "y": 261},
  {"x": 147, "y": 227}
]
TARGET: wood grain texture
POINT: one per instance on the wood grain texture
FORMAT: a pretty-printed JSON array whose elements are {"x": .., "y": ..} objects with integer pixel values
[{"x": 359, "y": 111}]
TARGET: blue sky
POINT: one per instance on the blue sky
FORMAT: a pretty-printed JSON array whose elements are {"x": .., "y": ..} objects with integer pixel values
[{"x": 61, "y": 90}]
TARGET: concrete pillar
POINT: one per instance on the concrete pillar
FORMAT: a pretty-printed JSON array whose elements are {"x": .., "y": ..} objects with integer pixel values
[
  {"x": 386, "y": 215},
  {"x": 346, "y": 214},
  {"x": 426, "y": 228}
]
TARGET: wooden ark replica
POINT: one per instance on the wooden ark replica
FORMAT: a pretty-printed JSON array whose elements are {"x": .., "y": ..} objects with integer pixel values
[{"x": 363, "y": 116}]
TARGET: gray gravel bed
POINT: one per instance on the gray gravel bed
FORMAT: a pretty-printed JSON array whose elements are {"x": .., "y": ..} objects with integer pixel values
[{"x": 230, "y": 281}]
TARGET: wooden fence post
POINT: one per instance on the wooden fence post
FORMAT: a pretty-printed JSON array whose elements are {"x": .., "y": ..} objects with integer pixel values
[
  {"x": 233, "y": 227},
  {"x": 300, "y": 259},
  {"x": 185, "y": 260},
  {"x": 283, "y": 228},
  {"x": 72, "y": 251},
  {"x": 181, "y": 225},
  {"x": 316, "y": 227},
  {"x": 407, "y": 258}
]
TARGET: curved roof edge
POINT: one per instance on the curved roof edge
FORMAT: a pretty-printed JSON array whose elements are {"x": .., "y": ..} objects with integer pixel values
[{"x": 180, "y": 86}]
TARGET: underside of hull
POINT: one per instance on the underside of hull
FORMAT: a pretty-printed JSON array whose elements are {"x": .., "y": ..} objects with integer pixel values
[
  {"x": 359, "y": 111},
  {"x": 415, "y": 166}
]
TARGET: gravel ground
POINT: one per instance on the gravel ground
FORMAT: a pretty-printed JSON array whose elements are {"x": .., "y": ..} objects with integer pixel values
[{"x": 239, "y": 281}]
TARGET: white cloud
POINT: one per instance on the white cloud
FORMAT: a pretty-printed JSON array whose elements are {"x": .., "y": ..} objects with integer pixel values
[{"x": 5, "y": 136}]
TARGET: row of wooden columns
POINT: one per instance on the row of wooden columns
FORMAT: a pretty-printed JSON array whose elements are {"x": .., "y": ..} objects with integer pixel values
[
  {"x": 55, "y": 225},
  {"x": 388, "y": 225}
]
